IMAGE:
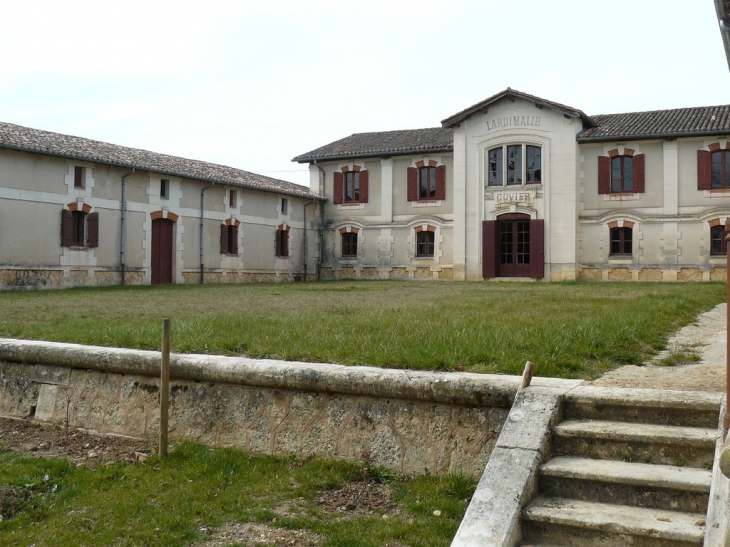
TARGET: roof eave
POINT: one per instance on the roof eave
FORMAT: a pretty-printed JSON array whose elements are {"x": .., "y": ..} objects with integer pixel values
[
  {"x": 158, "y": 171},
  {"x": 383, "y": 153}
]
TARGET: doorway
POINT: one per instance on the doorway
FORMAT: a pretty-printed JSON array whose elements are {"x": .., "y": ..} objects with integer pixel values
[
  {"x": 161, "y": 251},
  {"x": 513, "y": 246}
]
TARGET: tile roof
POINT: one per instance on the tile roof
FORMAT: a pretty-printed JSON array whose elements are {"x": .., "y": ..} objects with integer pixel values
[
  {"x": 16, "y": 137},
  {"x": 679, "y": 122},
  {"x": 384, "y": 143},
  {"x": 510, "y": 93}
]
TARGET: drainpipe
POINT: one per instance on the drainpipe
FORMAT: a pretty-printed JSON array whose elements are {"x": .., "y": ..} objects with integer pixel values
[
  {"x": 305, "y": 237},
  {"x": 202, "y": 206},
  {"x": 321, "y": 221},
  {"x": 123, "y": 222}
]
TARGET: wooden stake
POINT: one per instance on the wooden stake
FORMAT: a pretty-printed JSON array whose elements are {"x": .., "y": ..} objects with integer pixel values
[
  {"x": 164, "y": 386},
  {"x": 526, "y": 377}
]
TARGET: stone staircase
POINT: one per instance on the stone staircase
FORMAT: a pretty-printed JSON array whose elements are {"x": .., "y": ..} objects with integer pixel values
[{"x": 629, "y": 468}]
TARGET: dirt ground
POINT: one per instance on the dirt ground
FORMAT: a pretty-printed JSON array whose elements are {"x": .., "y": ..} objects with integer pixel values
[{"x": 707, "y": 336}]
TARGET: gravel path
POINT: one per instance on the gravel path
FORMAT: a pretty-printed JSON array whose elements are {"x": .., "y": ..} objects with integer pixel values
[{"x": 707, "y": 335}]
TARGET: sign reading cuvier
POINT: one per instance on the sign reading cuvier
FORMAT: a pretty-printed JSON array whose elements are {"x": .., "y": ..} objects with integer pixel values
[{"x": 526, "y": 197}]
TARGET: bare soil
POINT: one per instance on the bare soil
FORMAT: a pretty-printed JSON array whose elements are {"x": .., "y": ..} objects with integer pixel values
[{"x": 707, "y": 337}]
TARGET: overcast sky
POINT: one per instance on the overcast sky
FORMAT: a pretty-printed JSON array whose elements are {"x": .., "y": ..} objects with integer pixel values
[{"x": 253, "y": 84}]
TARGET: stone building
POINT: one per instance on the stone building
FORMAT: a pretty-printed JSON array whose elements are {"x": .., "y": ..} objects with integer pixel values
[
  {"x": 521, "y": 187},
  {"x": 75, "y": 211}
]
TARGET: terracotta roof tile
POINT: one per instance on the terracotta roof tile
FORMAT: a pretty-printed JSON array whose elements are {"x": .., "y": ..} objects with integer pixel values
[{"x": 17, "y": 137}]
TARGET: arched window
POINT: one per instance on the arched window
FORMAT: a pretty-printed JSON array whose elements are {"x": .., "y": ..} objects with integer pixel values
[
  {"x": 350, "y": 186},
  {"x": 79, "y": 228},
  {"x": 621, "y": 173}
]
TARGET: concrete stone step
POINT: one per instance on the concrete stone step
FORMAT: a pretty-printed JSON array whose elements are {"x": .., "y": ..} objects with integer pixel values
[
  {"x": 681, "y": 408},
  {"x": 632, "y": 442},
  {"x": 588, "y": 524},
  {"x": 665, "y": 487}
]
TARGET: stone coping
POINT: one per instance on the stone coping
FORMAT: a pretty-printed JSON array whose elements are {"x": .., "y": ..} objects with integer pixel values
[{"x": 458, "y": 388}]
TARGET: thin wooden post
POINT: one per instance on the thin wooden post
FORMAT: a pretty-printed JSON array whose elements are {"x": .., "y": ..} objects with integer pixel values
[
  {"x": 526, "y": 377},
  {"x": 164, "y": 386}
]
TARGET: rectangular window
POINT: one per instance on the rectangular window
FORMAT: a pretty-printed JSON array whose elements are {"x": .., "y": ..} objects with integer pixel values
[
  {"x": 622, "y": 174},
  {"x": 621, "y": 241},
  {"x": 78, "y": 177},
  {"x": 352, "y": 186},
  {"x": 427, "y": 183},
  {"x": 164, "y": 189},
  {"x": 424, "y": 244},
  {"x": 78, "y": 229},
  {"x": 721, "y": 168},
  {"x": 232, "y": 198},
  {"x": 514, "y": 164},
  {"x": 284, "y": 206},
  {"x": 349, "y": 244},
  {"x": 718, "y": 245},
  {"x": 282, "y": 243},
  {"x": 495, "y": 166},
  {"x": 534, "y": 164},
  {"x": 523, "y": 165}
]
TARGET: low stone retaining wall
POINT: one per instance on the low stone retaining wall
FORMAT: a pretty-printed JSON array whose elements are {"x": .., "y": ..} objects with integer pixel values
[{"x": 413, "y": 422}]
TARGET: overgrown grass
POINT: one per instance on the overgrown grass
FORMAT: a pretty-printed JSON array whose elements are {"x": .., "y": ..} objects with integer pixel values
[
  {"x": 574, "y": 330},
  {"x": 168, "y": 501}
]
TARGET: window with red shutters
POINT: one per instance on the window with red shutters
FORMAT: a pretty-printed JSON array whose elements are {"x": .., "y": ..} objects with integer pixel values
[
  {"x": 427, "y": 183},
  {"x": 621, "y": 174},
  {"x": 350, "y": 187},
  {"x": 79, "y": 229},
  {"x": 229, "y": 239}
]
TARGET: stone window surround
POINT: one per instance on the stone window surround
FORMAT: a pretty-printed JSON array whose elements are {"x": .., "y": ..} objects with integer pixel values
[
  {"x": 524, "y": 139},
  {"x": 635, "y": 236},
  {"x": 348, "y": 230}
]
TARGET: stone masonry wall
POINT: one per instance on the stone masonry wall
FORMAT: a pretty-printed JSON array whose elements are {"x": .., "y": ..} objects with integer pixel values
[{"x": 413, "y": 422}]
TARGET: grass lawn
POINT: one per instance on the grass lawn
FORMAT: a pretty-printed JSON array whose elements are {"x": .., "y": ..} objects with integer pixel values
[
  {"x": 571, "y": 330},
  {"x": 172, "y": 502}
]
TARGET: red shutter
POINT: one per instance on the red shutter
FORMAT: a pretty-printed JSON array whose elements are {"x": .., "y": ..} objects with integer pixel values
[
  {"x": 441, "y": 182},
  {"x": 489, "y": 249},
  {"x": 639, "y": 168},
  {"x": 704, "y": 170},
  {"x": 224, "y": 239},
  {"x": 412, "y": 191},
  {"x": 234, "y": 235},
  {"x": 537, "y": 248},
  {"x": 92, "y": 230},
  {"x": 604, "y": 175},
  {"x": 66, "y": 227},
  {"x": 364, "y": 186},
  {"x": 339, "y": 190},
  {"x": 286, "y": 243}
]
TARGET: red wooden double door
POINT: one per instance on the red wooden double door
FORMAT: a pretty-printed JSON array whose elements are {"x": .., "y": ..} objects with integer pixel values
[{"x": 513, "y": 246}]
